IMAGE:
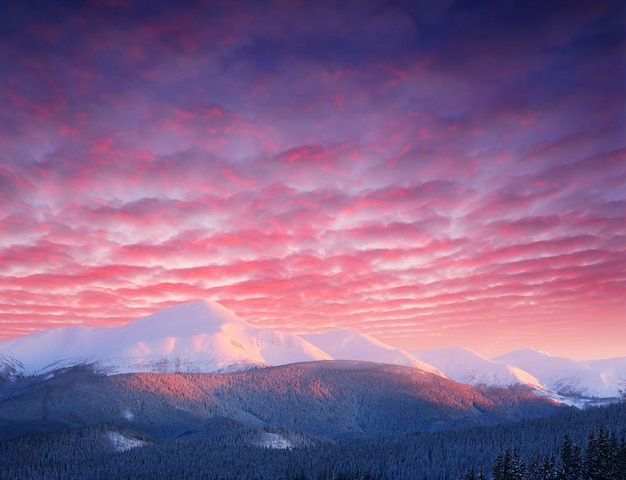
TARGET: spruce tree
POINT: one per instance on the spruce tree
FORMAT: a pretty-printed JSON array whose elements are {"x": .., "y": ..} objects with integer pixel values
[
  {"x": 592, "y": 457},
  {"x": 518, "y": 468},
  {"x": 509, "y": 465},
  {"x": 571, "y": 460},
  {"x": 621, "y": 460}
]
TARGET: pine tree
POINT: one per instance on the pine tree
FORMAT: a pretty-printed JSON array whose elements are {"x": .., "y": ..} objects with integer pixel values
[
  {"x": 468, "y": 476},
  {"x": 571, "y": 460},
  {"x": 518, "y": 468},
  {"x": 534, "y": 468},
  {"x": 499, "y": 465},
  {"x": 621, "y": 460},
  {"x": 592, "y": 457},
  {"x": 509, "y": 465},
  {"x": 549, "y": 468}
]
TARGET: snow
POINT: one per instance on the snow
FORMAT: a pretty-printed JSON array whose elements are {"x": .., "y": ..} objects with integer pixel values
[
  {"x": 466, "y": 366},
  {"x": 615, "y": 366},
  {"x": 600, "y": 379},
  {"x": 280, "y": 348},
  {"x": 190, "y": 337},
  {"x": 275, "y": 441},
  {"x": 128, "y": 415},
  {"x": 205, "y": 337},
  {"x": 351, "y": 345},
  {"x": 122, "y": 443},
  {"x": 9, "y": 365}
]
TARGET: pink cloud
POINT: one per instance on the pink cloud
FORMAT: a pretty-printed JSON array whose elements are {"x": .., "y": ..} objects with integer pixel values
[{"x": 317, "y": 166}]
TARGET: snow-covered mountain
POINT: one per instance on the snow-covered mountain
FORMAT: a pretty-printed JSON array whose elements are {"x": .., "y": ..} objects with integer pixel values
[
  {"x": 612, "y": 366},
  {"x": 601, "y": 379},
  {"x": 466, "y": 366},
  {"x": 190, "y": 337},
  {"x": 351, "y": 345},
  {"x": 206, "y": 337}
]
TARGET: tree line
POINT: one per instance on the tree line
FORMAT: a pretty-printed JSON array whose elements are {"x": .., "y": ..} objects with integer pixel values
[
  {"x": 603, "y": 457},
  {"x": 580, "y": 445}
]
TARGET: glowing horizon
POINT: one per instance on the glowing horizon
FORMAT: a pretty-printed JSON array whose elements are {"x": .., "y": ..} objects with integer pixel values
[{"x": 432, "y": 176}]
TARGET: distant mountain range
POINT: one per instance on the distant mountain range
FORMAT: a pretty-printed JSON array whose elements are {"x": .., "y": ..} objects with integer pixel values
[{"x": 204, "y": 337}]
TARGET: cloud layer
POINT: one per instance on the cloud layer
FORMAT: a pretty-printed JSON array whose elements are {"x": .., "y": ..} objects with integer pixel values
[{"x": 433, "y": 174}]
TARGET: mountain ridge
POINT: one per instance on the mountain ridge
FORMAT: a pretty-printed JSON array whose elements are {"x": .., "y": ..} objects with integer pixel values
[
  {"x": 334, "y": 399},
  {"x": 206, "y": 337},
  {"x": 347, "y": 344},
  {"x": 597, "y": 378},
  {"x": 190, "y": 337},
  {"x": 466, "y": 366}
]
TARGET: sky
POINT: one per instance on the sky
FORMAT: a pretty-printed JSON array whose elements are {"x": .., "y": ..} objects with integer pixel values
[{"x": 431, "y": 173}]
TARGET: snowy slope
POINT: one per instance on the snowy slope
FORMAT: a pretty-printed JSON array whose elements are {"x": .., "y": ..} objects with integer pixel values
[
  {"x": 602, "y": 379},
  {"x": 466, "y": 366},
  {"x": 351, "y": 345},
  {"x": 191, "y": 337},
  {"x": 612, "y": 366}
]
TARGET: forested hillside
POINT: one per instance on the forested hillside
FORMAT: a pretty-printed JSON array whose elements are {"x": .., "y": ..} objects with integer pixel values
[
  {"x": 240, "y": 452},
  {"x": 333, "y": 399}
]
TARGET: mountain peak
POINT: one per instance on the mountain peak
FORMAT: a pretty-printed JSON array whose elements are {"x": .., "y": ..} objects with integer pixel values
[
  {"x": 202, "y": 307},
  {"x": 197, "y": 336},
  {"x": 570, "y": 377},
  {"x": 353, "y": 345},
  {"x": 467, "y": 366},
  {"x": 186, "y": 319},
  {"x": 528, "y": 351},
  {"x": 346, "y": 339}
]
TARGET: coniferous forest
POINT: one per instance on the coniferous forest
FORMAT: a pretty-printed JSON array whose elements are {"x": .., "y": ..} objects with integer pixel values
[{"x": 581, "y": 445}]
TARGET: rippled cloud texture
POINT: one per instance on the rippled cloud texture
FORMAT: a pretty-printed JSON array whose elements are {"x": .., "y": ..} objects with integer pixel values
[{"x": 431, "y": 173}]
